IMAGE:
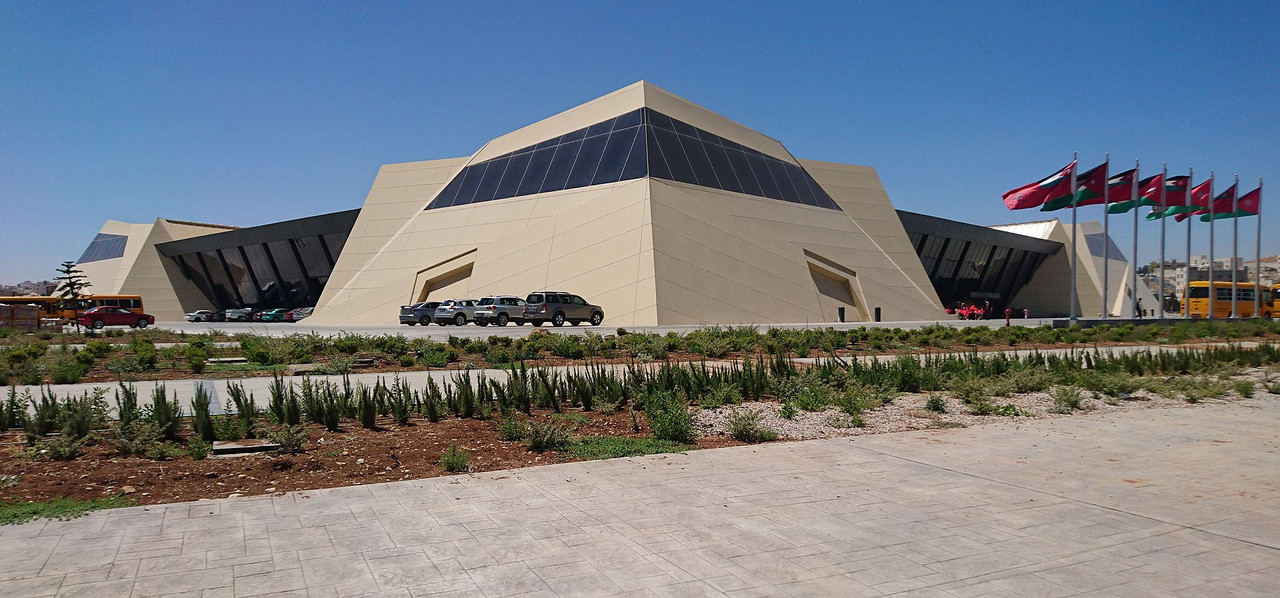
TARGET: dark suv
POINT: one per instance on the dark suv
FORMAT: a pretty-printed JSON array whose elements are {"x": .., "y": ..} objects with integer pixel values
[
  {"x": 418, "y": 313},
  {"x": 559, "y": 307}
]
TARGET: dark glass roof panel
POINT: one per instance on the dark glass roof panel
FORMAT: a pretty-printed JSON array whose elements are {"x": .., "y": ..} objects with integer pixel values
[
  {"x": 636, "y": 144},
  {"x": 104, "y": 247}
]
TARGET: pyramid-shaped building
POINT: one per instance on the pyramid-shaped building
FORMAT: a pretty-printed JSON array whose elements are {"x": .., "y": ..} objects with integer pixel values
[{"x": 654, "y": 208}]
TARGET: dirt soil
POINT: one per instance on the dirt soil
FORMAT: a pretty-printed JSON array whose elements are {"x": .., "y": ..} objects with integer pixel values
[{"x": 351, "y": 456}]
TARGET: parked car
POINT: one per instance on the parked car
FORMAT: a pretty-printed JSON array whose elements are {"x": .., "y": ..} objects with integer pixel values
[
  {"x": 302, "y": 312},
  {"x": 220, "y": 315},
  {"x": 200, "y": 315},
  {"x": 256, "y": 316},
  {"x": 418, "y": 313},
  {"x": 455, "y": 311},
  {"x": 559, "y": 307},
  {"x": 274, "y": 315},
  {"x": 241, "y": 314},
  {"x": 499, "y": 309},
  {"x": 100, "y": 316}
]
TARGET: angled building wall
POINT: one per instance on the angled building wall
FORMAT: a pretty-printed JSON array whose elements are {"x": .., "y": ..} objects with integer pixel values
[{"x": 657, "y": 209}]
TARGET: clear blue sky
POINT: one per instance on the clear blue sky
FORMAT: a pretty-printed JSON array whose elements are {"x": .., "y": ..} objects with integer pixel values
[{"x": 246, "y": 113}]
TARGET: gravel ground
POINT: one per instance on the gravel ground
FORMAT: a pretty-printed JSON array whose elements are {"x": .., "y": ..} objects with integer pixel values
[{"x": 907, "y": 412}]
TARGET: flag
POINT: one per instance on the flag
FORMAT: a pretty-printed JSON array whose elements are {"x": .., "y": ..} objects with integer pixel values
[
  {"x": 1249, "y": 204},
  {"x": 1199, "y": 199},
  {"x": 1122, "y": 192},
  {"x": 1221, "y": 206},
  {"x": 1089, "y": 186},
  {"x": 1052, "y": 188}
]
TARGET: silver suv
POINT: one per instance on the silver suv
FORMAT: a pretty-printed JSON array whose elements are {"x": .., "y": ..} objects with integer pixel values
[
  {"x": 499, "y": 309},
  {"x": 418, "y": 313},
  {"x": 559, "y": 307},
  {"x": 455, "y": 311}
]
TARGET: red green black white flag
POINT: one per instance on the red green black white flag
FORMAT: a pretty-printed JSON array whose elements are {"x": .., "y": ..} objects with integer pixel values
[{"x": 1052, "y": 188}]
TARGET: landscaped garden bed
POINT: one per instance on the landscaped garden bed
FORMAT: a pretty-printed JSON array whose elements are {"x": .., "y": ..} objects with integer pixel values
[{"x": 146, "y": 450}]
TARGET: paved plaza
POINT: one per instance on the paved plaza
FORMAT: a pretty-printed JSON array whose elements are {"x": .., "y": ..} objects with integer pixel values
[{"x": 1162, "y": 502}]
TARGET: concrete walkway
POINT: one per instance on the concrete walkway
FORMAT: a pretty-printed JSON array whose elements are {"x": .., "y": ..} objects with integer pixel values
[{"x": 1176, "y": 502}]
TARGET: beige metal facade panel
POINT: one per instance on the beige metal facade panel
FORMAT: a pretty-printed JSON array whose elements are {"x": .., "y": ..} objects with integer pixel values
[
  {"x": 605, "y": 107},
  {"x": 859, "y": 192},
  {"x": 166, "y": 294},
  {"x": 681, "y": 109},
  {"x": 399, "y": 192},
  {"x": 586, "y": 241}
]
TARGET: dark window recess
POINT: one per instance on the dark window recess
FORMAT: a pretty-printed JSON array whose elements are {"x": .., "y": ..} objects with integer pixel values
[
  {"x": 104, "y": 247},
  {"x": 636, "y": 144}
]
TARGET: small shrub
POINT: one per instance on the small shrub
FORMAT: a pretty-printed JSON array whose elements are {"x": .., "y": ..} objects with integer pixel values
[
  {"x": 669, "y": 418},
  {"x": 744, "y": 425},
  {"x": 845, "y": 420},
  {"x": 936, "y": 404},
  {"x": 67, "y": 370},
  {"x": 166, "y": 414},
  {"x": 1009, "y": 410},
  {"x": 201, "y": 421},
  {"x": 723, "y": 394},
  {"x": 1244, "y": 388},
  {"x": 611, "y": 447},
  {"x": 787, "y": 411},
  {"x": 547, "y": 436},
  {"x": 136, "y": 437},
  {"x": 982, "y": 406},
  {"x": 291, "y": 439},
  {"x": 1066, "y": 399},
  {"x": 196, "y": 359},
  {"x": 511, "y": 428},
  {"x": 197, "y": 448},
  {"x": 454, "y": 459},
  {"x": 62, "y": 448},
  {"x": 98, "y": 348},
  {"x": 439, "y": 359}
]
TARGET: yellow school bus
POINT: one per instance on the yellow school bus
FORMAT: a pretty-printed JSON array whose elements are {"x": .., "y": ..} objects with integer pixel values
[{"x": 1196, "y": 302}]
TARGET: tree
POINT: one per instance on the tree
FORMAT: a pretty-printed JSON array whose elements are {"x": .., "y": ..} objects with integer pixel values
[{"x": 71, "y": 286}]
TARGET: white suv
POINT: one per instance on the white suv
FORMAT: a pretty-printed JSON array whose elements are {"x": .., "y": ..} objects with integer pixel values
[{"x": 499, "y": 309}]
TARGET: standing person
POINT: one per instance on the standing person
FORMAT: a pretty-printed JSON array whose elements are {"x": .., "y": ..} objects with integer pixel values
[{"x": 1140, "y": 312}]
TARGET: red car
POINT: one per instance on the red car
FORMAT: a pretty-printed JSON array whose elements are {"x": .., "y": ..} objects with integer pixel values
[{"x": 115, "y": 316}]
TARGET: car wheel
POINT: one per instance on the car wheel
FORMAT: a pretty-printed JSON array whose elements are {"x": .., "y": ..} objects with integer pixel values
[
  {"x": 142, "y": 323},
  {"x": 597, "y": 318},
  {"x": 558, "y": 319},
  {"x": 425, "y": 320},
  {"x": 460, "y": 320},
  {"x": 502, "y": 319},
  {"x": 98, "y": 324}
]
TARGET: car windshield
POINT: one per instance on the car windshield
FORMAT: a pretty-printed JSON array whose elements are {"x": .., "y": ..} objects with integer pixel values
[
  {"x": 534, "y": 298},
  {"x": 486, "y": 301}
]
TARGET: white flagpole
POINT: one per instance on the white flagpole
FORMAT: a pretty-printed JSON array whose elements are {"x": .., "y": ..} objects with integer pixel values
[
  {"x": 1235, "y": 244},
  {"x": 1164, "y": 174},
  {"x": 1075, "y": 251},
  {"x": 1106, "y": 232},
  {"x": 1186, "y": 283},
  {"x": 1257, "y": 307},
  {"x": 1133, "y": 197},
  {"x": 1213, "y": 290}
]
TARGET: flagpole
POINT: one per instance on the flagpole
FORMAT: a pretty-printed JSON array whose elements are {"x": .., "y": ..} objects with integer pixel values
[
  {"x": 1257, "y": 294},
  {"x": 1133, "y": 196},
  {"x": 1235, "y": 244},
  {"x": 1186, "y": 280},
  {"x": 1213, "y": 290},
  {"x": 1075, "y": 251},
  {"x": 1106, "y": 232},
  {"x": 1164, "y": 174}
]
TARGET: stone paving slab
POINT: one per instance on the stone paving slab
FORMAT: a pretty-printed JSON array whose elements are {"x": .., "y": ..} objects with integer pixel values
[{"x": 1178, "y": 502}]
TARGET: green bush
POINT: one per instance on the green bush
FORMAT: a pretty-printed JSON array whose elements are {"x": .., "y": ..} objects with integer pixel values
[
  {"x": 201, "y": 421},
  {"x": 79, "y": 416},
  {"x": 1244, "y": 388},
  {"x": 144, "y": 350},
  {"x": 547, "y": 436},
  {"x": 511, "y": 428},
  {"x": 744, "y": 425},
  {"x": 1066, "y": 399},
  {"x": 497, "y": 356},
  {"x": 454, "y": 459},
  {"x": 787, "y": 411},
  {"x": 612, "y": 447},
  {"x": 165, "y": 413},
  {"x": 439, "y": 358},
  {"x": 669, "y": 418},
  {"x": 936, "y": 404},
  {"x": 137, "y": 437},
  {"x": 721, "y": 394},
  {"x": 291, "y": 439},
  {"x": 61, "y": 448},
  {"x": 67, "y": 370},
  {"x": 196, "y": 359},
  {"x": 197, "y": 448}
]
